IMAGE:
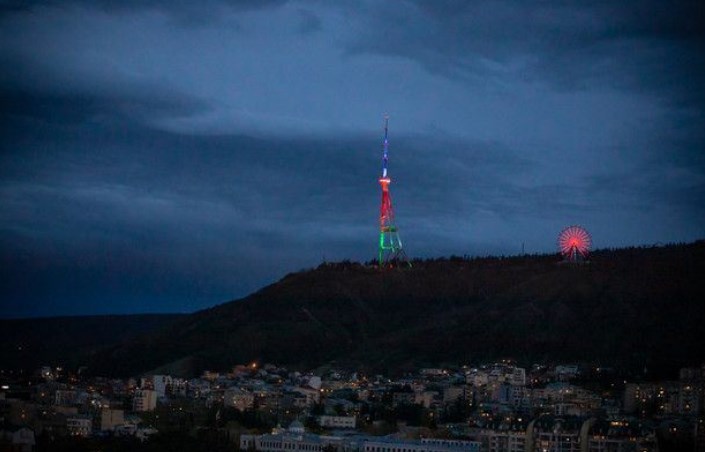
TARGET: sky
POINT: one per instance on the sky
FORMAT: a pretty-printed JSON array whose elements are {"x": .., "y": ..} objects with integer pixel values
[{"x": 169, "y": 155}]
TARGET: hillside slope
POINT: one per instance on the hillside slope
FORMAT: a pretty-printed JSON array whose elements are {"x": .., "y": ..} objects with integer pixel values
[{"x": 630, "y": 308}]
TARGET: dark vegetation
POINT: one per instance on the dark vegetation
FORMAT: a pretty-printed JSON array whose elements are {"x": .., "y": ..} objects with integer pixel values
[{"x": 631, "y": 308}]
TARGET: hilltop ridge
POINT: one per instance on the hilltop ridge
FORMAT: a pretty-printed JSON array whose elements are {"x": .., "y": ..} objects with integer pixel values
[{"x": 631, "y": 308}]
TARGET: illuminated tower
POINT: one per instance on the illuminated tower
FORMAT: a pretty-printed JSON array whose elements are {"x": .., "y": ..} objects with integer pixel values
[{"x": 390, "y": 248}]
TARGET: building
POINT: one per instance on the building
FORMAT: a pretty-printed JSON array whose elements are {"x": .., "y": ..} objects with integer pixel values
[
  {"x": 548, "y": 433},
  {"x": 160, "y": 383},
  {"x": 312, "y": 396},
  {"x": 505, "y": 441},
  {"x": 566, "y": 371},
  {"x": 433, "y": 372},
  {"x": 337, "y": 421},
  {"x": 79, "y": 425},
  {"x": 295, "y": 439},
  {"x": 427, "y": 399},
  {"x": 618, "y": 435},
  {"x": 689, "y": 396},
  {"x": 65, "y": 397},
  {"x": 453, "y": 393},
  {"x": 502, "y": 434},
  {"x": 664, "y": 398},
  {"x": 20, "y": 440},
  {"x": 144, "y": 400},
  {"x": 111, "y": 418},
  {"x": 403, "y": 397},
  {"x": 238, "y": 398},
  {"x": 386, "y": 444},
  {"x": 497, "y": 373}
]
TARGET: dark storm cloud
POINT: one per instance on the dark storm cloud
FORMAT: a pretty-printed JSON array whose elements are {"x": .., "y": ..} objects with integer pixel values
[
  {"x": 138, "y": 102},
  {"x": 632, "y": 44},
  {"x": 183, "y": 13},
  {"x": 30, "y": 89},
  {"x": 310, "y": 22},
  {"x": 179, "y": 7}
]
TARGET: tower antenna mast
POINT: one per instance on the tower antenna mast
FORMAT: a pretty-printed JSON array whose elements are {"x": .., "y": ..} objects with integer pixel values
[{"x": 390, "y": 246}]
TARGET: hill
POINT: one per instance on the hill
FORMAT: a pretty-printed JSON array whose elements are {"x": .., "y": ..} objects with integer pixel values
[
  {"x": 28, "y": 344},
  {"x": 627, "y": 308}
]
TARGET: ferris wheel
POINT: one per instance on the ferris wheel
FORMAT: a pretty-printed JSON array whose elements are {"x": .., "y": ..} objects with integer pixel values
[{"x": 574, "y": 243}]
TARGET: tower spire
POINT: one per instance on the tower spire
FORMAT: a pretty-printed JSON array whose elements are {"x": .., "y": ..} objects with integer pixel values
[
  {"x": 390, "y": 247},
  {"x": 385, "y": 146}
]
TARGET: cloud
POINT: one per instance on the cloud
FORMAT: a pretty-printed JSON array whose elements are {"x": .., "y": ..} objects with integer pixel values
[
  {"x": 180, "y": 8},
  {"x": 571, "y": 45},
  {"x": 31, "y": 87},
  {"x": 310, "y": 22},
  {"x": 140, "y": 102}
]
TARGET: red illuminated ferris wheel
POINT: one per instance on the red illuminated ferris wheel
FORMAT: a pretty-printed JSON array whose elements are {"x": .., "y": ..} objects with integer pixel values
[{"x": 574, "y": 243}]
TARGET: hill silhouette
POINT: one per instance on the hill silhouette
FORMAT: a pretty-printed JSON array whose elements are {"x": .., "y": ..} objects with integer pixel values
[
  {"x": 629, "y": 308},
  {"x": 28, "y": 344}
]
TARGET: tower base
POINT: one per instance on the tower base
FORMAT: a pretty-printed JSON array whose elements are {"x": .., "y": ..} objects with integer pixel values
[{"x": 391, "y": 252}]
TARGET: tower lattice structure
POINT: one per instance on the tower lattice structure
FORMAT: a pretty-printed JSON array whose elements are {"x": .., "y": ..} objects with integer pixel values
[{"x": 390, "y": 246}]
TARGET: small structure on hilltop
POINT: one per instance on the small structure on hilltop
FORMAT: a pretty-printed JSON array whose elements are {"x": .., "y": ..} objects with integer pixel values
[{"x": 574, "y": 244}]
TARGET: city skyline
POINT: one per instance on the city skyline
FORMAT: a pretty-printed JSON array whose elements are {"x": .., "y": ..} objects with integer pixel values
[{"x": 162, "y": 157}]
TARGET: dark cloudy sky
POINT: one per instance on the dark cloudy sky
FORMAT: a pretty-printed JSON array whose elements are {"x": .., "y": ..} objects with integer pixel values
[{"x": 165, "y": 156}]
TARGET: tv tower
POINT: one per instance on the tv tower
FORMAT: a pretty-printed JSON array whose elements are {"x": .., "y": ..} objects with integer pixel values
[{"x": 390, "y": 248}]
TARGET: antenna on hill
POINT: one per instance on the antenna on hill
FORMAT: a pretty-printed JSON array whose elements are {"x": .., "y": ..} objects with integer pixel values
[{"x": 390, "y": 247}]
